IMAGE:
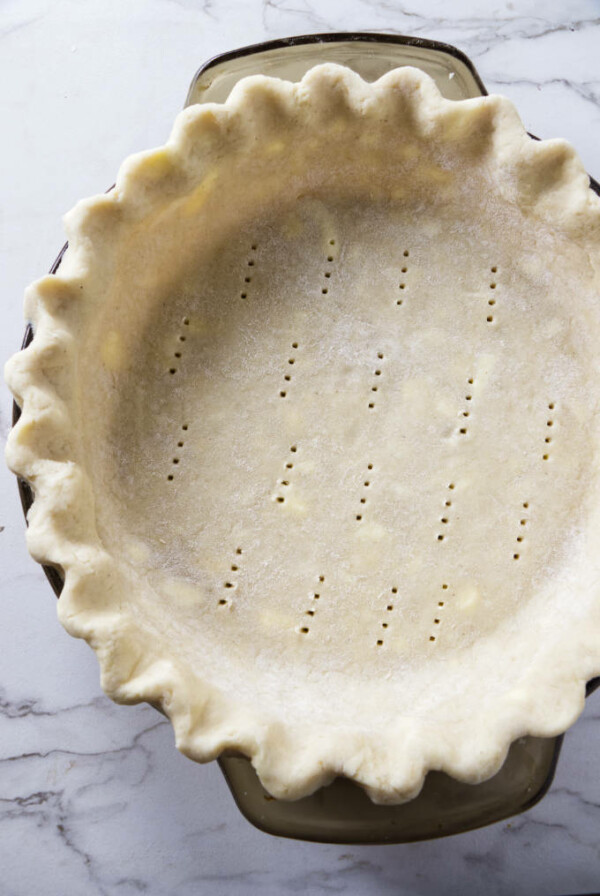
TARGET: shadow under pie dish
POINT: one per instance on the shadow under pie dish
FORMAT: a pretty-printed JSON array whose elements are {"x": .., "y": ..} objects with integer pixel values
[{"x": 310, "y": 418}]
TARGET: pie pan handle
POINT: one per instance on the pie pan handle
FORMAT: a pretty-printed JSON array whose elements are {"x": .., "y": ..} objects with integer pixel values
[{"x": 369, "y": 54}]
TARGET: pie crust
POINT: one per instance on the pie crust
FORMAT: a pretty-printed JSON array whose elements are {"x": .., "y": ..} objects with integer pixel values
[{"x": 311, "y": 416}]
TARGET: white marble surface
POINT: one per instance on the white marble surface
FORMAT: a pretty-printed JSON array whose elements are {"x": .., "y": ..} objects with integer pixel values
[{"x": 93, "y": 797}]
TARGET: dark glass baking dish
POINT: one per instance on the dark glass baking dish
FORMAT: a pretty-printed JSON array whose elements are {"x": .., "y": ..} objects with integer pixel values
[{"x": 342, "y": 812}]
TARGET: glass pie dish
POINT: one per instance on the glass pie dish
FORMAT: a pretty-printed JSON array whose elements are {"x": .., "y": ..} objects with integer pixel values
[{"x": 342, "y": 812}]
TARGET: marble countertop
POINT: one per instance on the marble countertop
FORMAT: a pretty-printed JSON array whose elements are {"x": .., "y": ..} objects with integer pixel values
[{"x": 94, "y": 798}]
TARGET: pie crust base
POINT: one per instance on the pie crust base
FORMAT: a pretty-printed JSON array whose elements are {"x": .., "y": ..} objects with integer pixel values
[{"x": 311, "y": 421}]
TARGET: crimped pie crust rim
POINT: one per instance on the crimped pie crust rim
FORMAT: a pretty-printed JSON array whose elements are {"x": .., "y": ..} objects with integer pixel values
[{"x": 292, "y": 762}]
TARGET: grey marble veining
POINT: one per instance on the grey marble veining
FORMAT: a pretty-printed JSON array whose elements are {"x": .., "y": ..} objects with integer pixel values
[{"x": 94, "y": 798}]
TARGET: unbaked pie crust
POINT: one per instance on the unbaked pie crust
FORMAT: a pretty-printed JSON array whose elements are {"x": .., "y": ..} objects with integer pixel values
[{"x": 311, "y": 416}]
